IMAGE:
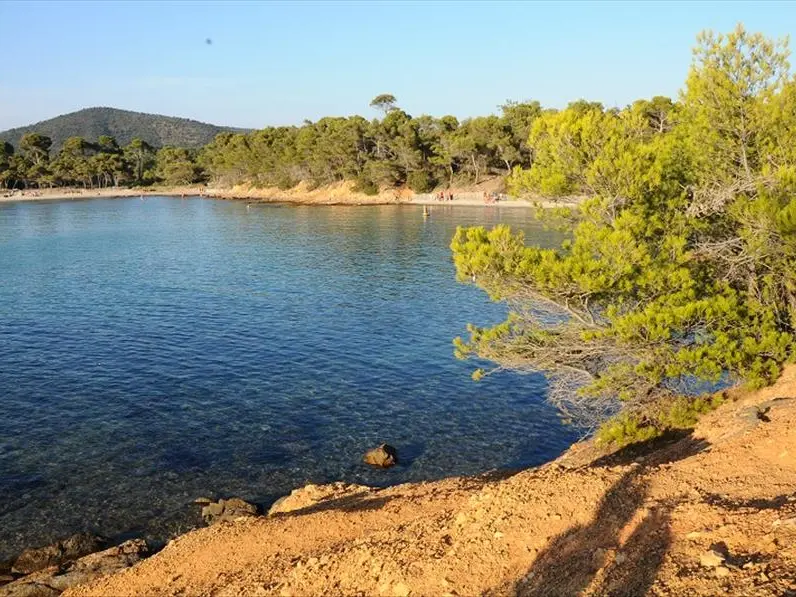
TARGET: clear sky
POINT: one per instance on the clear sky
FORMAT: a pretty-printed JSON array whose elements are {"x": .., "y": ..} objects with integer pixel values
[{"x": 281, "y": 63}]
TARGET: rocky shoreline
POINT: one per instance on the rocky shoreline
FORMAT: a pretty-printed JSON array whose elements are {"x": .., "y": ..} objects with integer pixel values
[
  {"x": 49, "y": 570},
  {"x": 702, "y": 513}
]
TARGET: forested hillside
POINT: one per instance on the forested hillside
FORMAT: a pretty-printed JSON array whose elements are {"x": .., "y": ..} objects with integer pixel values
[{"x": 123, "y": 125}]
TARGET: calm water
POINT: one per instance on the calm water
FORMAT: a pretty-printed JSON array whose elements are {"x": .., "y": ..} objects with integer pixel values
[{"x": 155, "y": 351}]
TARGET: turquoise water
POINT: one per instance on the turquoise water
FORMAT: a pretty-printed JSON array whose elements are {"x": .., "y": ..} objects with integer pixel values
[{"x": 155, "y": 351}]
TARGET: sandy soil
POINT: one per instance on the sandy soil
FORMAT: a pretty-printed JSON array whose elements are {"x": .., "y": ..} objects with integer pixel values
[
  {"x": 63, "y": 194},
  {"x": 342, "y": 193},
  {"x": 636, "y": 522},
  {"x": 337, "y": 194}
]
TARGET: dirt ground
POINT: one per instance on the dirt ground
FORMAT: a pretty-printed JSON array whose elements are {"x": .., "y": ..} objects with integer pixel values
[{"x": 707, "y": 513}]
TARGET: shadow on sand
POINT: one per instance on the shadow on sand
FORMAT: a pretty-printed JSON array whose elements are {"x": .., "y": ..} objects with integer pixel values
[{"x": 594, "y": 556}]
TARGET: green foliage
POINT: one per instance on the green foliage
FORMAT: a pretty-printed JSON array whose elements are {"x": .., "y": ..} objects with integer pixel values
[
  {"x": 176, "y": 166},
  {"x": 397, "y": 150},
  {"x": 680, "y": 414},
  {"x": 366, "y": 185},
  {"x": 420, "y": 181},
  {"x": 681, "y": 265},
  {"x": 140, "y": 155},
  {"x": 384, "y": 102},
  {"x": 626, "y": 429}
]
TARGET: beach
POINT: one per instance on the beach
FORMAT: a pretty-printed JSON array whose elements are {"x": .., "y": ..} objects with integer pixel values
[{"x": 341, "y": 193}]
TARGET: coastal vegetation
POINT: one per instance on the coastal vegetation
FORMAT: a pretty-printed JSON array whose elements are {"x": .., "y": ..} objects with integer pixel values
[
  {"x": 398, "y": 150},
  {"x": 680, "y": 272},
  {"x": 92, "y": 165}
]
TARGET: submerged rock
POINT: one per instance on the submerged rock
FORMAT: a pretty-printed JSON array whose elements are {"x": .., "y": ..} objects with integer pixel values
[
  {"x": 76, "y": 546},
  {"x": 57, "y": 578},
  {"x": 229, "y": 509},
  {"x": 384, "y": 456}
]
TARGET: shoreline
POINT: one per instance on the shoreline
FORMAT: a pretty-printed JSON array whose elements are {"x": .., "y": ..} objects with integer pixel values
[
  {"x": 646, "y": 519},
  {"x": 337, "y": 194},
  {"x": 643, "y": 518}
]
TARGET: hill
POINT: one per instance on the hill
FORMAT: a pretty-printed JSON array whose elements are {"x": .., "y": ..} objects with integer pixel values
[{"x": 124, "y": 125}]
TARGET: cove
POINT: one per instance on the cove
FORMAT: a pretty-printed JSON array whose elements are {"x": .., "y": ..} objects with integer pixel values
[{"x": 155, "y": 351}]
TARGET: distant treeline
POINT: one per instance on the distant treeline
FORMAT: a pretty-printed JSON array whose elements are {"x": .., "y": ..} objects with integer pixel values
[
  {"x": 93, "y": 165},
  {"x": 574, "y": 151}
]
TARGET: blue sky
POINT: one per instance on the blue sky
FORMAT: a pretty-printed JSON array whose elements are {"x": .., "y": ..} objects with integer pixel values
[{"x": 279, "y": 63}]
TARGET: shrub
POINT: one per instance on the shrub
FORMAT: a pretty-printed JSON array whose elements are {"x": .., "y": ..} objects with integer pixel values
[
  {"x": 632, "y": 427},
  {"x": 420, "y": 181},
  {"x": 285, "y": 182},
  {"x": 365, "y": 185}
]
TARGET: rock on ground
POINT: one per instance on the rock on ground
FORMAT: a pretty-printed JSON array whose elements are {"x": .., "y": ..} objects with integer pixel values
[
  {"x": 58, "y": 553},
  {"x": 54, "y": 580},
  {"x": 229, "y": 509}
]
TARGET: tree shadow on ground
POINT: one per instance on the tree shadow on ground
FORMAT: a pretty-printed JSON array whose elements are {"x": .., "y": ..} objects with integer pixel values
[
  {"x": 594, "y": 556},
  {"x": 671, "y": 446},
  {"x": 775, "y": 503}
]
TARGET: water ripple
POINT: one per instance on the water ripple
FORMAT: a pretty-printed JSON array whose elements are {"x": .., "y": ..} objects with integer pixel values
[{"x": 152, "y": 352}]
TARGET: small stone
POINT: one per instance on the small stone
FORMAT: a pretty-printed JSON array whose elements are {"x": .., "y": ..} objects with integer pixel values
[
  {"x": 203, "y": 501},
  {"x": 400, "y": 590},
  {"x": 711, "y": 559},
  {"x": 722, "y": 571},
  {"x": 498, "y": 535},
  {"x": 384, "y": 456},
  {"x": 764, "y": 577},
  {"x": 693, "y": 535},
  {"x": 620, "y": 558}
]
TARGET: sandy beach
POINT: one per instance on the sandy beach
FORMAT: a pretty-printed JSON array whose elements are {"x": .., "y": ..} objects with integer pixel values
[
  {"x": 336, "y": 194},
  {"x": 64, "y": 194}
]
